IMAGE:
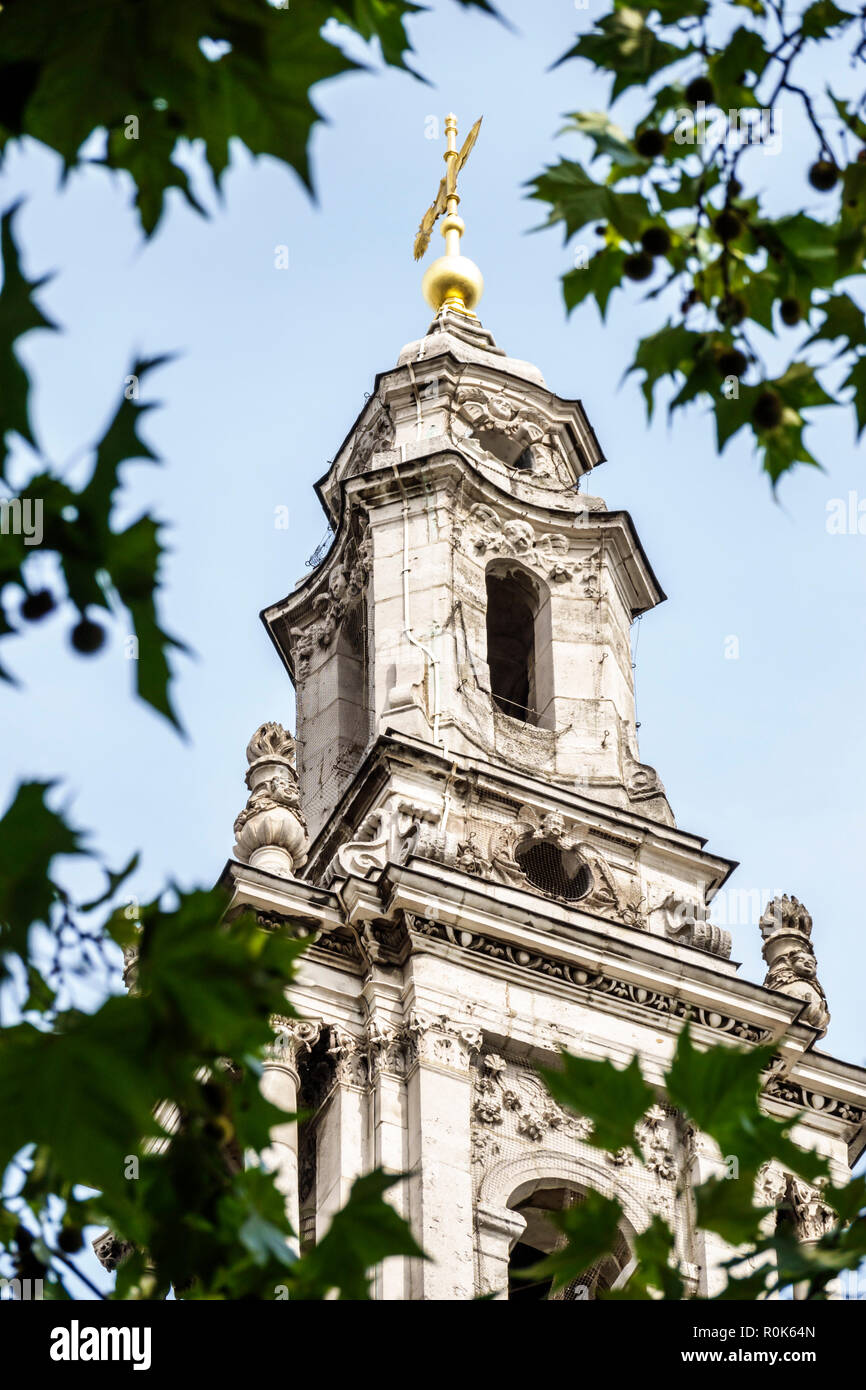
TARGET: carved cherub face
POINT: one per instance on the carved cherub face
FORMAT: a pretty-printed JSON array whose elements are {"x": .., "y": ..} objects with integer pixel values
[
  {"x": 337, "y": 584},
  {"x": 500, "y": 408},
  {"x": 802, "y": 965},
  {"x": 519, "y": 535},
  {"x": 554, "y": 825}
]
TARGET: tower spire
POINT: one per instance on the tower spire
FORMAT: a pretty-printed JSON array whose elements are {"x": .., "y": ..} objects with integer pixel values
[{"x": 452, "y": 281}]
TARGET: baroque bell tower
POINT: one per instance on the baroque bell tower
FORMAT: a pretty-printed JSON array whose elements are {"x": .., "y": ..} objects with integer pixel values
[{"x": 462, "y": 826}]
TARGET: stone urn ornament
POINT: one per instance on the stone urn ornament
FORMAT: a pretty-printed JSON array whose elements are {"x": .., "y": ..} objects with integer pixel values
[{"x": 270, "y": 832}]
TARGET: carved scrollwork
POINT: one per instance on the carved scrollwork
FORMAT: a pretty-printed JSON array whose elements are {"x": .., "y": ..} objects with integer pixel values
[
  {"x": 501, "y": 1092},
  {"x": 688, "y": 924},
  {"x": 653, "y": 1137},
  {"x": 387, "y": 835},
  {"x": 806, "y": 1209}
]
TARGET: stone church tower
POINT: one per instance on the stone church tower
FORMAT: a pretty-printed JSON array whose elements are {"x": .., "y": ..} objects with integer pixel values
[{"x": 486, "y": 870}]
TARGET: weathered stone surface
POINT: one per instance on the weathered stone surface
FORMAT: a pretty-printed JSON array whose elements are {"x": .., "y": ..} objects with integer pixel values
[{"x": 483, "y": 889}]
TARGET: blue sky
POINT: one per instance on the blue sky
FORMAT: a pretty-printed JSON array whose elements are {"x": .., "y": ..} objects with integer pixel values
[{"x": 763, "y": 754}]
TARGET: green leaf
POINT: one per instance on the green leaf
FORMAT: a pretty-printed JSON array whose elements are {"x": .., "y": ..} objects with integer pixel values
[
  {"x": 607, "y": 138},
  {"x": 673, "y": 350},
  {"x": 733, "y": 413},
  {"x": 848, "y": 1201},
  {"x": 196, "y": 976},
  {"x": 614, "y": 1099},
  {"x": 32, "y": 836},
  {"x": 577, "y": 199},
  {"x": 140, "y": 73},
  {"x": 843, "y": 319},
  {"x": 725, "y": 1205},
  {"x": 716, "y": 1087},
  {"x": 855, "y": 124},
  {"x": 19, "y": 314},
  {"x": 671, "y": 11},
  {"x": 688, "y": 189},
  {"x": 115, "y": 880},
  {"x": 624, "y": 44},
  {"x": 747, "y": 1289},
  {"x": 366, "y": 1231},
  {"x": 857, "y": 379},
  {"x": 822, "y": 16},
  {"x": 383, "y": 20},
  {"x": 782, "y": 448},
  {"x": 743, "y": 53},
  {"x": 799, "y": 387},
  {"x": 119, "y": 444},
  {"x": 591, "y": 1228},
  {"x": 602, "y": 274},
  {"x": 57, "y": 1089},
  {"x": 656, "y": 1273},
  {"x": 94, "y": 558},
  {"x": 132, "y": 560}
]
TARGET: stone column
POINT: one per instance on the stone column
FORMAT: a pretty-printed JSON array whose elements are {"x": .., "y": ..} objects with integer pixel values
[
  {"x": 387, "y": 1101},
  {"x": 499, "y": 1230},
  {"x": 704, "y": 1161},
  {"x": 439, "y": 1095},
  {"x": 280, "y": 1084},
  {"x": 341, "y": 1131}
]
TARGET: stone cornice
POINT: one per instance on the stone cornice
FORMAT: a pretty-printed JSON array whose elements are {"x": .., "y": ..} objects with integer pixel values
[
  {"x": 390, "y": 750},
  {"x": 393, "y": 381},
  {"x": 612, "y": 974},
  {"x": 574, "y": 939}
]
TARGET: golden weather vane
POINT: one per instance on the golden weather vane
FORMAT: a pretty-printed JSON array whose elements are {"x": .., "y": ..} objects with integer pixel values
[{"x": 452, "y": 281}]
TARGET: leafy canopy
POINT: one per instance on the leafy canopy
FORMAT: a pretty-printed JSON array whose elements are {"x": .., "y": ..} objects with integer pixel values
[
  {"x": 681, "y": 203},
  {"x": 136, "y": 1116},
  {"x": 715, "y": 1091}
]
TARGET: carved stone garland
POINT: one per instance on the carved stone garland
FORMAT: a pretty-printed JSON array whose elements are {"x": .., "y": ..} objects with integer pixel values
[{"x": 490, "y": 535}]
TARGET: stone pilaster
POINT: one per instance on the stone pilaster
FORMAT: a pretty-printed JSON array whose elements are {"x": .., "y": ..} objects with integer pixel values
[
  {"x": 280, "y": 1085},
  {"x": 439, "y": 1093}
]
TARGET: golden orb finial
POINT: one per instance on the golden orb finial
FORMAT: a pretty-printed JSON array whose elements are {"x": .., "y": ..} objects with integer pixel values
[{"x": 452, "y": 281}]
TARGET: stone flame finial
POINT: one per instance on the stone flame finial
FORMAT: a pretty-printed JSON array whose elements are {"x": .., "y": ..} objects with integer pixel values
[
  {"x": 270, "y": 741},
  {"x": 786, "y": 927},
  {"x": 270, "y": 832}
]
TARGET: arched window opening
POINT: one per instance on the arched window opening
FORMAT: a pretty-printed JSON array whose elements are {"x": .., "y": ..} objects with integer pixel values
[
  {"x": 511, "y": 609},
  {"x": 556, "y": 871},
  {"x": 541, "y": 1237},
  {"x": 525, "y": 463}
]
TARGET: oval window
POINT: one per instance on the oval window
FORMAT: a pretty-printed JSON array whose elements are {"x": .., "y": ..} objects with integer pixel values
[{"x": 558, "y": 872}]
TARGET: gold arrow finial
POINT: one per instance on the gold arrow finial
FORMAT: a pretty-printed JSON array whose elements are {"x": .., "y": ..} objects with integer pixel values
[{"x": 452, "y": 281}]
